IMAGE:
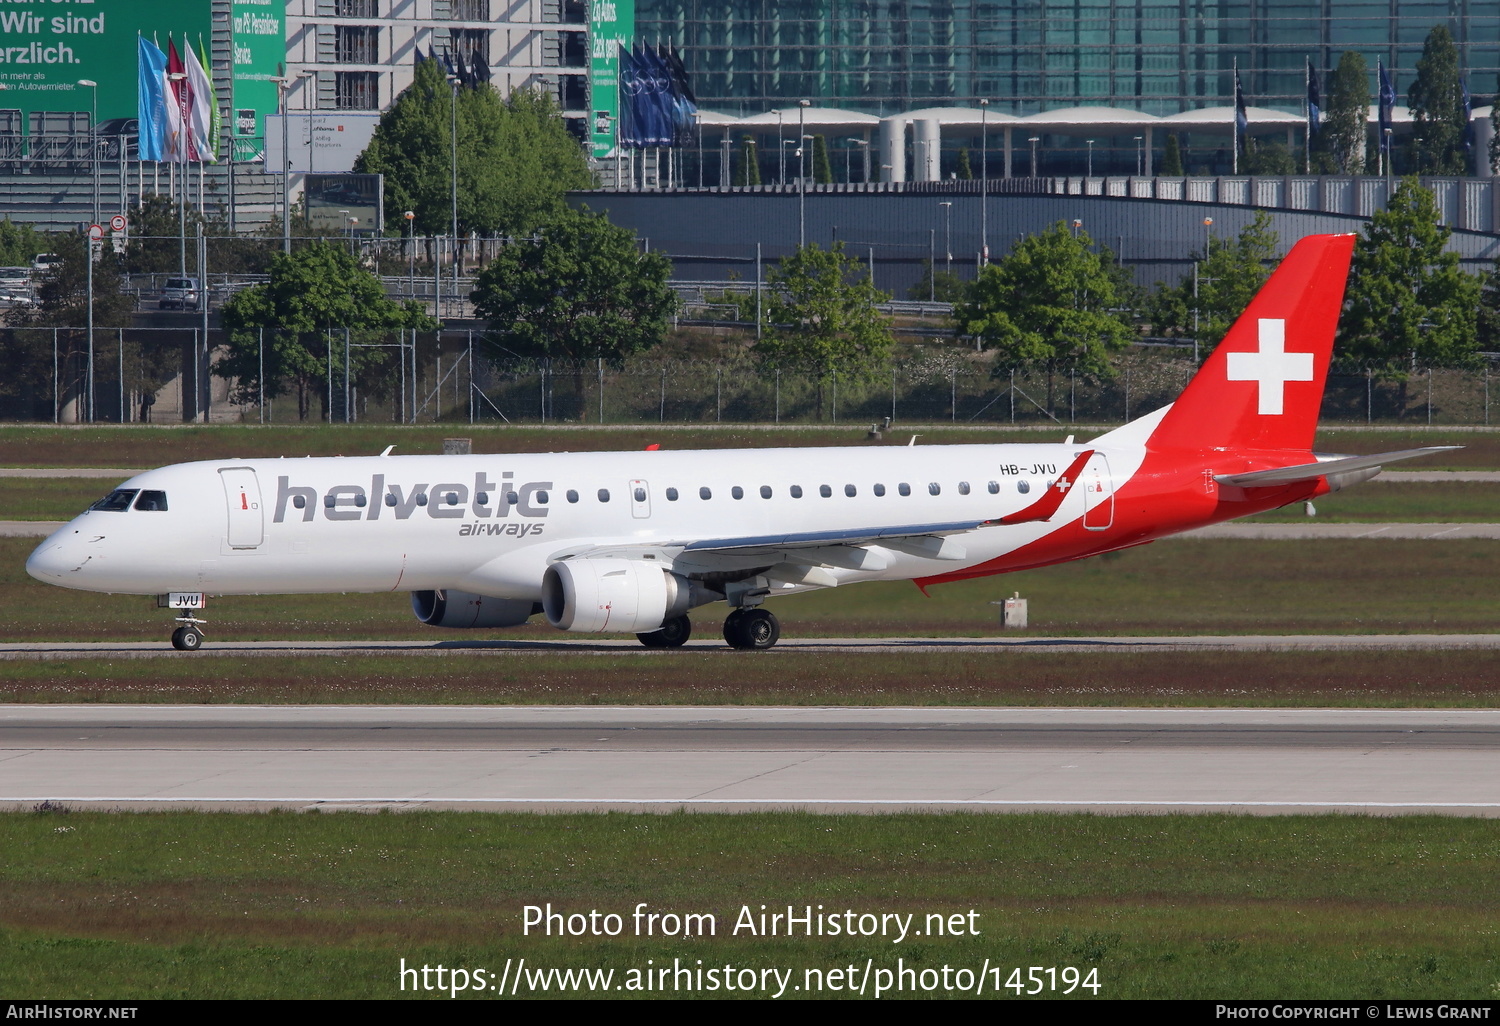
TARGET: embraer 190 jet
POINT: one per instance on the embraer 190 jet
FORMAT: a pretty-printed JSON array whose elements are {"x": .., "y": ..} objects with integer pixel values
[{"x": 631, "y": 541}]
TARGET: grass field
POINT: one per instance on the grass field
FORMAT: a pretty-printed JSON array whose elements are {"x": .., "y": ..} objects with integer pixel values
[
  {"x": 294, "y": 906},
  {"x": 142, "y": 447},
  {"x": 1402, "y": 679},
  {"x": 1171, "y": 587}
]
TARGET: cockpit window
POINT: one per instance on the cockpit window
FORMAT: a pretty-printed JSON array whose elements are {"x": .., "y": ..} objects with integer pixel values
[
  {"x": 155, "y": 502},
  {"x": 117, "y": 501}
]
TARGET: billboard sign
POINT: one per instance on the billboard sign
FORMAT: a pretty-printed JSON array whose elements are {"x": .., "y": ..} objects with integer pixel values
[
  {"x": 611, "y": 26},
  {"x": 259, "y": 34},
  {"x": 319, "y": 141},
  {"x": 345, "y": 203},
  {"x": 45, "y": 48}
]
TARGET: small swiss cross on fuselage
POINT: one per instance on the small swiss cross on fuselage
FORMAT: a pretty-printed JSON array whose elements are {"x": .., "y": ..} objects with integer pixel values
[{"x": 1271, "y": 366}]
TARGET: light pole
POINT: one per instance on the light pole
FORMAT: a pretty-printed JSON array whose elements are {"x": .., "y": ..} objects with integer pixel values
[
  {"x": 1140, "y": 156},
  {"x": 1389, "y": 160},
  {"x": 802, "y": 106},
  {"x": 411, "y": 251},
  {"x": 453, "y": 81},
  {"x": 947, "y": 206},
  {"x": 984, "y": 182},
  {"x": 1077, "y": 224},
  {"x": 94, "y": 138},
  {"x": 1091, "y": 158},
  {"x": 1034, "y": 140},
  {"x": 1208, "y": 235},
  {"x": 286, "y": 166},
  {"x": 780, "y": 152}
]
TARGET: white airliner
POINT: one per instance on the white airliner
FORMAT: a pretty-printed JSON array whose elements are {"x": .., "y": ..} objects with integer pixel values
[{"x": 630, "y": 541}]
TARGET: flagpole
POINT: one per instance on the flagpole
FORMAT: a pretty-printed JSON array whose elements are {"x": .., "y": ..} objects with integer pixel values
[
  {"x": 1307, "y": 115},
  {"x": 1234, "y": 132}
]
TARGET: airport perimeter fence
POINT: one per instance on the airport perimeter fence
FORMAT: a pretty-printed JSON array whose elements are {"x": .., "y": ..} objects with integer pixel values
[{"x": 164, "y": 375}]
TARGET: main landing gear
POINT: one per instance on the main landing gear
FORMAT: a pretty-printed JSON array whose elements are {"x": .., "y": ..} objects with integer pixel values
[
  {"x": 752, "y": 629},
  {"x": 749, "y": 629}
]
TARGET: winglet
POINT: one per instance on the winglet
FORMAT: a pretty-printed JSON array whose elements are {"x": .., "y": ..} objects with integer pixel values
[{"x": 1044, "y": 507}]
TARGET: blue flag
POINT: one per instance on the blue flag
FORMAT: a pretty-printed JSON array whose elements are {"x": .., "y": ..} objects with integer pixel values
[
  {"x": 1387, "y": 103},
  {"x": 1314, "y": 101},
  {"x": 630, "y": 102},
  {"x": 151, "y": 99},
  {"x": 1241, "y": 116}
]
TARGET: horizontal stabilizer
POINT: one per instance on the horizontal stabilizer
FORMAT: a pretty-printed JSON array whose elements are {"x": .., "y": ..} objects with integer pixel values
[
  {"x": 1044, "y": 507},
  {"x": 1313, "y": 471}
]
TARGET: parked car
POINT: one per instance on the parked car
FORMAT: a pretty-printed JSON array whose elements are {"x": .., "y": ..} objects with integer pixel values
[
  {"x": 44, "y": 262},
  {"x": 179, "y": 294}
]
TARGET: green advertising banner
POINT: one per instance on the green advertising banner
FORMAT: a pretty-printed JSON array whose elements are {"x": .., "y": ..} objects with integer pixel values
[
  {"x": 47, "y": 46},
  {"x": 611, "y": 26},
  {"x": 259, "y": 28}
]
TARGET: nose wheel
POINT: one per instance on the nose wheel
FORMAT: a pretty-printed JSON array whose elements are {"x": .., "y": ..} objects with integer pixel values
[
  {"x": 189, "y": 636},
  {"x": 752, "y": 629}
]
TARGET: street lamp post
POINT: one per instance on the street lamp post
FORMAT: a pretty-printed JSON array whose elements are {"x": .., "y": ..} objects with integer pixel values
[
  {"x": 1140, "y": 156},
  {"x": 94, "y": 139},
  {"x": 411, "y": 251},
  {"x": 1034, "y": 140},
  {"x": 947, "y": 206},
  {"x": 1208, "y": 235},
  {"x": 286, "y": 166},
  {"x": 1091, "y": 158},
  {"x": 453, "y": 199},
  {"x": 984, "y": 182},
  {"x": 802, "y": 106}
]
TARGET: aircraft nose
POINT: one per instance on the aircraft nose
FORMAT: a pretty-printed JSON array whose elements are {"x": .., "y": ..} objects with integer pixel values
[{"x": 51, "y": 561}]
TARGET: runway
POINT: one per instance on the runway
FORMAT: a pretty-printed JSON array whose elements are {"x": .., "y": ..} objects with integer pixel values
[
  {"x": 738, "y": 759},
  {"x": 555, "y": 643}
]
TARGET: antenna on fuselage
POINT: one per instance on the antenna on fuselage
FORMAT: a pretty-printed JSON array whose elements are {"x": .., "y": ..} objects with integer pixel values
[
  {"x": 388, "y": 450},
  {"x": 913, "y": 441}
]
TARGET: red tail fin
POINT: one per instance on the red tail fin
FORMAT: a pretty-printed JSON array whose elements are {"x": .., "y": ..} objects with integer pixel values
[{"x": 1262, "y": 387}]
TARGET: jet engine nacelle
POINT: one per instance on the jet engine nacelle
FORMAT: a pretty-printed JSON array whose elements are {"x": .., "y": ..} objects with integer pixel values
[
  {"x": 449, "y": 608},
  {"x": 596, "y": 595}
]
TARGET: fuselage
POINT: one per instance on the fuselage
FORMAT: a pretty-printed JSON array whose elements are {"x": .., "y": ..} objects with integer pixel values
[{"x": 492, "y": 524}]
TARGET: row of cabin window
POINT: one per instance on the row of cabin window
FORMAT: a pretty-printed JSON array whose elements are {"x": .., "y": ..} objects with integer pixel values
[
  {"x": 705, "y": 493},
  {"x": 826, "y": 491}
]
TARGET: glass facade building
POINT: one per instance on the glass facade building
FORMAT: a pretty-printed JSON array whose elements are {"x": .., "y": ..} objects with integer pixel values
[{"x": 1158, "y": 56}]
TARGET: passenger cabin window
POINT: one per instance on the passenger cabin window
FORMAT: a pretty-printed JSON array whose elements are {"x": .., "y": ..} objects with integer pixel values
[
  {"x": 511, "y": 499},
  {"x": 572, "y": 496},
  {"x": 963, "y": 488},
  {"x": 671, "y": 494},
  {"x": 705, "y": 493},
  {"x": 765, "y": 491},
  {"x": 934, "y": 489},
  {"x": 796, "y": 491},
  {"x": 542, "y": 498},
  {"x": 640, "y": 495},
  {"x": 737, "y": 492},
  {"x": 154, "y": 502},
  {"x": 482, "y": 498},
  {"x": 117, "y": 501},
  {"x": 824, "y": 491},
  {"x": 850, "y": 491},
  {"x": 994, "y": 487},
  {"x": 904, "y": 488},
  {"x": 1023, "y": 487},
  {"x": 604, "y": 495},
  {"x": 879, "y": 489}
]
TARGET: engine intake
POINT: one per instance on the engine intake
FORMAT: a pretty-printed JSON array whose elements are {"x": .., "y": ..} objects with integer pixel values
[
  {"x": 597, "y": 595},
  {"x": 449, "y": 608}
]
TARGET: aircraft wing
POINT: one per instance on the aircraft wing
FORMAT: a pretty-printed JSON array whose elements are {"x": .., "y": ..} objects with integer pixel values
[{"x": 1313, "y": 471}]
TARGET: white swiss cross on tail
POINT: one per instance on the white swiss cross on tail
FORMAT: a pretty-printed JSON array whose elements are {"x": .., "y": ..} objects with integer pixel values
[{"x": 1271, "y": 366}]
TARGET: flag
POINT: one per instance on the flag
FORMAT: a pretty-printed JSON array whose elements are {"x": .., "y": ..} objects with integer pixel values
[
  {"x": 1387, "y": 103},
  {"x": 205, "y": 108},
  {"x": 1241, "y": 117},
  {"x": 151, "y": 98},
  {"x": 179, "y": 149},
  {"x": 632, "y": 113},
  {"x": 1314, "y": 101},
  {"x": 659, "y": 81},
  {"x": 684, "y": 104},
  {"x": 460, "y": 72}
]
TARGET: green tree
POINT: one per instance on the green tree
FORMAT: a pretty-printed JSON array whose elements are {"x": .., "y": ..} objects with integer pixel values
[
  {"x": 1409, "y": 304},
  {"x": 1050, "y": 304},
  {"x": 1437, "y": 108},
  {"x": 821, "y": 168},
  {"x": 942, "y": 287},
  {"x": 1228, "y": 278},
  {"x": 965, "y": 171},
  {"x": 1267, "y": 158},
  {"x": 747, "y": 171},
  {"x": 1494, "y": 153},
  {"x": 1340, "y": 146},
  {"x": 584, "y": 291},
  {"x": 20, "y": 243},
  {"x": 314, "y": 294},
  {"x": 1488, "y": 317},
  {"x": 823, "y": 316},
  {"x": 516, "y": 158},
  {"x": 1171, "y": 157}
]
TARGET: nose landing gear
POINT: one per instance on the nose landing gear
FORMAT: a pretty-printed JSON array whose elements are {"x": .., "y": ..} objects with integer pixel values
[{"x": 188, "y": 637}]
